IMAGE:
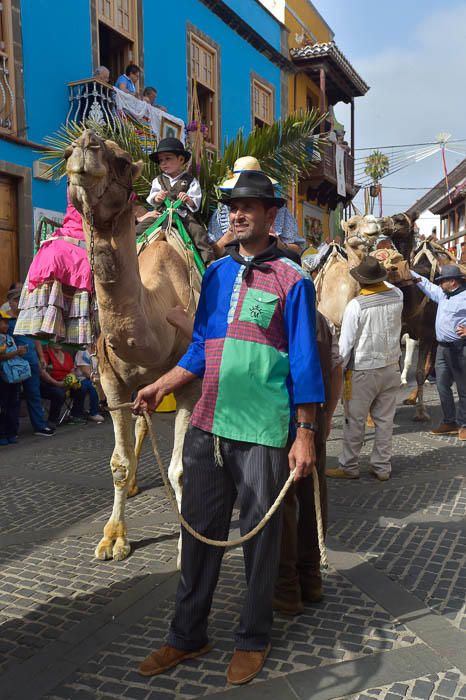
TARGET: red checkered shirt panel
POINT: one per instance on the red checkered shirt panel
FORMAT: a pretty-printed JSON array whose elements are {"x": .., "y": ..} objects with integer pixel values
[{"x": 203, "y": 414}]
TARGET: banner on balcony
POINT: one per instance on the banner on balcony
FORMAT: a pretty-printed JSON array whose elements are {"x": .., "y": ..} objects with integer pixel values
[
  {"x": 161, "y": 123},
  {"x": 340, "y": 167}
]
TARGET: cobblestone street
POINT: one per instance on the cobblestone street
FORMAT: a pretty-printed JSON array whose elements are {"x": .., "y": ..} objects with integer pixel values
[{"x": 392, "y": 623}]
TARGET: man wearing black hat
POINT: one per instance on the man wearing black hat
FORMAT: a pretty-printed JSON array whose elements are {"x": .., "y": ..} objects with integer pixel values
[
  {"x": 450, "y": 363},
  {"x": 175, "y": 182},
  {"x": 370, "y": 348},
  {"x": 254, "y": 346}
]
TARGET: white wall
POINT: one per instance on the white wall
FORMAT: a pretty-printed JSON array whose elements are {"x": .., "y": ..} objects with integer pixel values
[{"x": 426, "y": 223}]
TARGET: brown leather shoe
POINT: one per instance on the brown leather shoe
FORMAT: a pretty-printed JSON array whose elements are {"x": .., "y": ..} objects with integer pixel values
[
  {"x": 245, "y": 665},
  {"x": 339, "y": 473},
  {"x": 445, "y": 429},
  {"x": 288, "y": 606},
  {"x": 311, "y": 589},
  {"x": 167, "y": 657},
  {"x": 462, "y": 433}
]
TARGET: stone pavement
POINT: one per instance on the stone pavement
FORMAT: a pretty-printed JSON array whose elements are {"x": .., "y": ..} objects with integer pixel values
[{"x": 392, "y": 623}]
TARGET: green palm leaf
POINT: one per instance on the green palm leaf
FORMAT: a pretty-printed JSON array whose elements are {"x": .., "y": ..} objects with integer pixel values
[{"x": 283, "y": 149}]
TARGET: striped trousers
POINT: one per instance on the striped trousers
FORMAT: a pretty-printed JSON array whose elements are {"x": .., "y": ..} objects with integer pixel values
[{"x": 256, "y": 474}]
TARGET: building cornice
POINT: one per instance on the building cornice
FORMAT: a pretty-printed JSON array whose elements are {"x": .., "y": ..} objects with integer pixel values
[
  {"x": 4, "y": 136},
  {"x": 241, "y": 27}
]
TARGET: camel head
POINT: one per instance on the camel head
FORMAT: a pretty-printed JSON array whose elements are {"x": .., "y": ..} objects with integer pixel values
[{"x": 100, "y": 178}]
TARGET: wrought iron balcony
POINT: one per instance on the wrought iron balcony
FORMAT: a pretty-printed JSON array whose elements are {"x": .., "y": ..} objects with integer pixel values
[
  {"x": 320, "y": 181},
  {"x": 7, "y": 98},
  {"x": 91, "y": 99}
]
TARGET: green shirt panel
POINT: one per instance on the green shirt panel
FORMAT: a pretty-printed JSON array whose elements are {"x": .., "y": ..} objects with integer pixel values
[{"x": 253, "y": 401}]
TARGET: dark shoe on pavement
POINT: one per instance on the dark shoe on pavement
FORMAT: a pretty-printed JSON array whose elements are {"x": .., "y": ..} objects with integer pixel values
[
  {"x": 339, "y": 473},
  {"x": 381, "y": 476},
  {"x": 167, "y": 657},
  {"x": 311, "y": 589},
  {"x": 291, "y": 605},
  {"x": 445, "y": 429},
  {"x": 462, "y": 433},
  {"x": 45, "y": 432},
  {"x": 245, "y": 665},
  {"x": 12, "y": 440}
]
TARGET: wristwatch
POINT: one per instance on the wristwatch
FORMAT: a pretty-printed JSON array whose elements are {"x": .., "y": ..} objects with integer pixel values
[{"x": 307, "y": 426}]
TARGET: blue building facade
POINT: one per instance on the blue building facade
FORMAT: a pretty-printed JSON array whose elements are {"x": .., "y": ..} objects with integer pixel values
[{"x": 232, "y": 53}]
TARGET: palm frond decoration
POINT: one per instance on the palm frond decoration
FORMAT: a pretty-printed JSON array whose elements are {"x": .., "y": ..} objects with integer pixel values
[{"x": 283, "y": 149}]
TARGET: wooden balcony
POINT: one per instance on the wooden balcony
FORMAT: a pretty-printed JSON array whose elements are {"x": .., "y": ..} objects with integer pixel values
[{"x": 319, "y": 182}]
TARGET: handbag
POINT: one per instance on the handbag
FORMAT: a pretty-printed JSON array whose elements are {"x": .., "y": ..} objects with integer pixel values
[{"x": 15, "y": 370}]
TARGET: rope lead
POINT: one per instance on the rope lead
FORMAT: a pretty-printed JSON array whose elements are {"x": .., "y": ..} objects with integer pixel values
[{"x": 252, "y": 533}]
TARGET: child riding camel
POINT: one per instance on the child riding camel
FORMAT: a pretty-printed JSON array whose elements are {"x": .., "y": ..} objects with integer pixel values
[{"x": 176, "y": 182}]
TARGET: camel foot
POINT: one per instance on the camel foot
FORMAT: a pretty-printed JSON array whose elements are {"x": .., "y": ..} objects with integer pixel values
[
  {"x": 103, "y": 551},
  {"x": 421, "y": 418},
  {"x": 403, "y": 381},
  {"x": 409, "y": 402},
  {"x": 121, "y": 549},
  {"x": 133, "y": 490}
]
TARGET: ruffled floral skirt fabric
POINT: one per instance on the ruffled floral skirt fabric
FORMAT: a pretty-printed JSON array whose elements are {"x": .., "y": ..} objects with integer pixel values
[{"x": 54, "y": 311}]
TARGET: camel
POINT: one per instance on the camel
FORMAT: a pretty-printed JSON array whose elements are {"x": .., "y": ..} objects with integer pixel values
[
  {"x": 335, "y": 287},
  {"x": 137, "y": 344}
]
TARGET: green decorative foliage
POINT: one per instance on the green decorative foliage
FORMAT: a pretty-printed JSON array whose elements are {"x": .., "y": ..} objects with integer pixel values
[
  {"x": 282, "y": 149},
  {"x": 377, "y": 165}
]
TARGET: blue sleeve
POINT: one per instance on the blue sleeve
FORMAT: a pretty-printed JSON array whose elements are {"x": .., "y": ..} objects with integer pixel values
[
  {"x": 300, "y": 323},
  {"x": 194, "y": 358},
  {"x": 433, "y": 291}
]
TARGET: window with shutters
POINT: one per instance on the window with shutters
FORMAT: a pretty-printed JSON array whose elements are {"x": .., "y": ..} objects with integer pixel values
[
  {"x": 263, "y": 98},
  {"x": 203, "y": 71},
  {"x": 7, "y": 91},
  {"x": 118, "y": 30}
]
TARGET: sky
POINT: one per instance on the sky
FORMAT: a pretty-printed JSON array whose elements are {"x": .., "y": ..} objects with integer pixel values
[{"x": 412, "y": 53}]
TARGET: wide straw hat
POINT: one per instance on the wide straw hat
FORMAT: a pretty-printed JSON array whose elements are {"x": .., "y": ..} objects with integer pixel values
[
  {"x": 241, "y": 164},
  {"x": 369, "y": 271},
  {"x": 253, "y": 185},
  {"x": 170, "y": 145}
]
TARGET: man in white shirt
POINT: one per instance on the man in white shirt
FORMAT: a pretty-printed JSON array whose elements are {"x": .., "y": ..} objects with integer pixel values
[{"x": 370, "y": 348}]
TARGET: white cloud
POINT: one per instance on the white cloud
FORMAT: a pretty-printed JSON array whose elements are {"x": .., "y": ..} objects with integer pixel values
[{"x": 416, "y": 92}]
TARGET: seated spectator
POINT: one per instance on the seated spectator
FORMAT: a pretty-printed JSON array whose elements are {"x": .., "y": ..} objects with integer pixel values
[
  {"x": 85, "y": 366},
  {"x": 6, "y": 305},
  {"x": 58, "y": 365},
  {"x": 9, "y": 393},
  {"x": 34, "y": 355},
  {"x": 102, "y": 73},
  {"x": 127, "y": 82},
  {"x": 150, "y": 96}
]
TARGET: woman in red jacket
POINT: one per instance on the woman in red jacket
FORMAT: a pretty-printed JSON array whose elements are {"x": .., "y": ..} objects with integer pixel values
[{"x": 58, "y": 364}]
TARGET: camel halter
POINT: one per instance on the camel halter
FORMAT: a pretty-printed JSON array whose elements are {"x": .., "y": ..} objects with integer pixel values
[{"x": 252, "y": 533}]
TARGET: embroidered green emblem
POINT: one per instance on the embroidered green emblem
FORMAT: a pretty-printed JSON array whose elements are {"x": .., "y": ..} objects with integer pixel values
[{"x": 258, "y": 307}]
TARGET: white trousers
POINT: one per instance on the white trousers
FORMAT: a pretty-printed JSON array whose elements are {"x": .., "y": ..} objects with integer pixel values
[{"x": 374, "y": 392}]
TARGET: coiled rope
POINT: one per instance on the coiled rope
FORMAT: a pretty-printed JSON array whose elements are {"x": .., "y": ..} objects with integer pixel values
[{"x": 259, "y": 526}]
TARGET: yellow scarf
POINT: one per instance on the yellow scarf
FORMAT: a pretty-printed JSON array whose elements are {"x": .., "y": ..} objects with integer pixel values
[{"x": 374, "y": 289}]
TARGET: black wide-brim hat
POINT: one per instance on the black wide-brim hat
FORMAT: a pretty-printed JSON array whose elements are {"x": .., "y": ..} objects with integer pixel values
[
  {"x": 170, "y": 145},
  {"x": 253, "y": 185},
  {"x": 369, "y": 271},
  {"x": 449, "y": 272}
]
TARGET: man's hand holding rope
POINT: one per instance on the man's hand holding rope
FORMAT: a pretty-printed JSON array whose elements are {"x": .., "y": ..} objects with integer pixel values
[{"x": 152, "y": 395}]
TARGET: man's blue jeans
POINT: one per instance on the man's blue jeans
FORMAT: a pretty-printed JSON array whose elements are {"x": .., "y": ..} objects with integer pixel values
[
  {"x": 31, "y": 388},
  {"x": 450, "y": 366}
]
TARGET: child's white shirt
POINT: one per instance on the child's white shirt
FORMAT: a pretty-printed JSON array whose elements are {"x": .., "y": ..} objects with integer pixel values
[{"x": 194, "y": 191}]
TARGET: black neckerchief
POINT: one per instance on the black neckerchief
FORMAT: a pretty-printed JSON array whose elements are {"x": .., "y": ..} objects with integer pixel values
[
  {"x": 272, "y": 252},
  {"x": 457, "y": 291}
]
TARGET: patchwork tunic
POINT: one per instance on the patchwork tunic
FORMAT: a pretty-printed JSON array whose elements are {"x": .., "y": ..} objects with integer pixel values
[{"x": 254, "y": 346}]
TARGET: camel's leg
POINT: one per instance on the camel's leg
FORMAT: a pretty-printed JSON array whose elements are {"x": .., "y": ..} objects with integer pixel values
[
  {"x": 410, "y": 347},
  {"x": 423, "y": 363},
  {"x": 141, "y": 432},
  {"x": 185, "y": 400},
  {"x": 123, "y": 464}
]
